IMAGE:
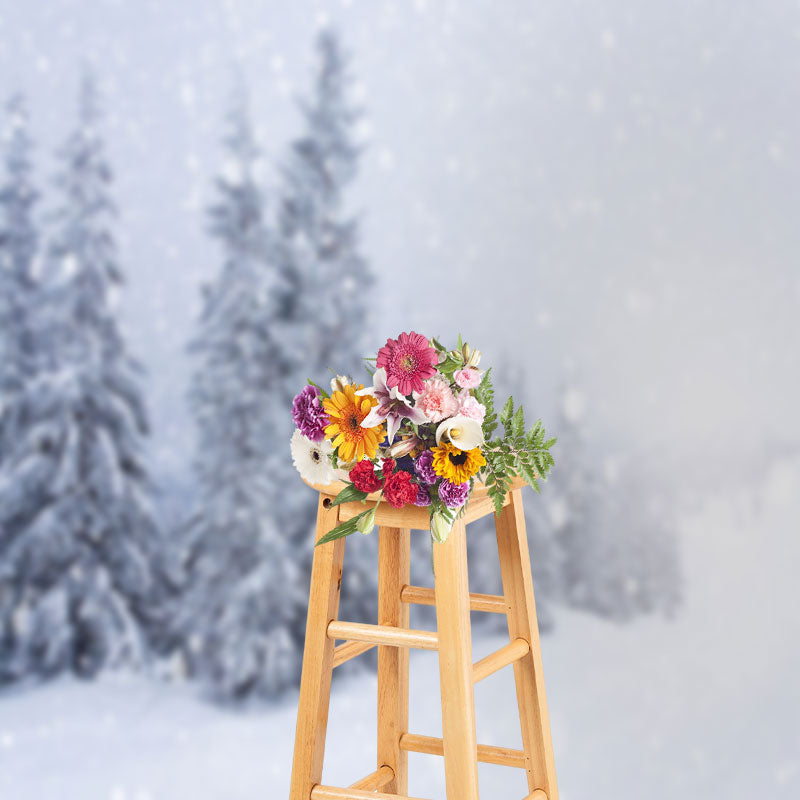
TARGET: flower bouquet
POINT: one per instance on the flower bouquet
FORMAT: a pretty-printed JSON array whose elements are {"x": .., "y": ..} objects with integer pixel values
[{"x": 421, "y": 434}]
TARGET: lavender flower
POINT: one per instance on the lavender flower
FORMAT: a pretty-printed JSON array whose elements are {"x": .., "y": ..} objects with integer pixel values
[
  {"x": 308, "y": 414},
  {"x": 423, "y": 466},
  {"x": 453, "y": 495}
]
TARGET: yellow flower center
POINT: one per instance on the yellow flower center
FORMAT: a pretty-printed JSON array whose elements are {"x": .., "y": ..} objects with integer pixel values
[{"x": 455, "y": 433}]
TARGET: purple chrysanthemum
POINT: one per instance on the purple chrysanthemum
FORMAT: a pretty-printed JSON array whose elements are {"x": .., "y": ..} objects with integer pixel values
[
  {"x": 453, "y": 495},
  {"x": 423, "y": 497},
  {"x": 423, "y": 466},
  {"x": 309, "y": 415}
]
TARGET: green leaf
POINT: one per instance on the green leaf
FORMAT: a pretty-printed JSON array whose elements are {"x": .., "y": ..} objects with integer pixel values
[
  {"x": 518, "y": 423},
  {"x": 348, "y": 495},
  {"x": 322, "y": 392},
  {"x": 508, "y": 410},
  {"x": 343, "y": 529}
]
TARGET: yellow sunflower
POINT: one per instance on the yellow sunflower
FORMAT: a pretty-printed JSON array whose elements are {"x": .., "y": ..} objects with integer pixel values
[
  {"x": 457, "y": 466},
  {"x": 346, "y": 412}
]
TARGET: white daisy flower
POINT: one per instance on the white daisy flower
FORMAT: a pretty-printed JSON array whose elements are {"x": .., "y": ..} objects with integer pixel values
[{"x": 312, "y": 459}]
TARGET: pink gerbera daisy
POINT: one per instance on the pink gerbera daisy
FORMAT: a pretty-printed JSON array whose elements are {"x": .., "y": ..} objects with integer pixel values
[{"x": 408, "y": 361}]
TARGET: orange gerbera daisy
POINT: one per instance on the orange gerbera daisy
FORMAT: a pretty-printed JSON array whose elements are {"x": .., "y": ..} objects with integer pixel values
[{"x": 346, "y": 412}]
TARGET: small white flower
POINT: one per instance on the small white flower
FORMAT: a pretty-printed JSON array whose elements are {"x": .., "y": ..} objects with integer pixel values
[
  {"x": 461, "y": 431},
  {"x": 312, "y": 459}
]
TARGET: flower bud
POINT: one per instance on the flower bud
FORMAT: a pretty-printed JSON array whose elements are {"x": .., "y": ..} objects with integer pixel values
[
  {"x": 474, "y": 358},
  {"x": 366, "y": 522},
  {"x": 339, "y": 382},
  {"x": 440, "y": 528}
]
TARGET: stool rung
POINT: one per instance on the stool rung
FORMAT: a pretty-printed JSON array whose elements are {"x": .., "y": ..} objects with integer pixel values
[
  {"x": 344, "y": 652},
  {"x": 537, "y": 794},
  {"x": 375, "y": 781},
  {"x": 504, "y": 756},
  {"x": 512, "y": 652},
  {"x": 383, "y": 634},
  {"x": 334, "y": 793},
  {"x": 422, "y": 596}
]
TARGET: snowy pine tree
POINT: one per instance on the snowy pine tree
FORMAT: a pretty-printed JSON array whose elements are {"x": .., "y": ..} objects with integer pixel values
[
  {"x": 616, "y": 543},
  {"x": 321, "y": 237},
  {"x": 242, "y": 593},
  {"x": 77, "y": 578},
  {"x": 18, "y": 247},
  {"x": 640, "y": 569},
  {"x": 332, "y": 297}
]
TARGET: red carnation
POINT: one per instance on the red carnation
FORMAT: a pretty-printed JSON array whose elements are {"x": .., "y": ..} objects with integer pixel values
[
  {"x": 388, "y": 467},
  {"x": 399, "y": 491},
  {"x": 364, "y": 478}
]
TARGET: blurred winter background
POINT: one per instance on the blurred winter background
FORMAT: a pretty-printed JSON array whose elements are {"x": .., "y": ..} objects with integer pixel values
[{"x": 204, "y": 203}]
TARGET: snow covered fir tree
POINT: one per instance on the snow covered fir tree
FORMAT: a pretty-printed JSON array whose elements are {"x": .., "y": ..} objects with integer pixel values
[
  {"x": 77, "y": 581},
  {"x": 614, "y": 550},
  {"x": 321, "y": 238},
  {"x": 320, "y": 245},
  {"x": 242, "y": 589},
  {"x": 18, "y": 248}
]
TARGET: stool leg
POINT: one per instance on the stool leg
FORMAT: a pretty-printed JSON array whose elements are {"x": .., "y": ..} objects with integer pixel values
[
  {"x": 455, "y": 665},
  {"x": 394, "y": 566},
  {"x": 515, "y": 567},
  {"x": 315, "y": 682}
]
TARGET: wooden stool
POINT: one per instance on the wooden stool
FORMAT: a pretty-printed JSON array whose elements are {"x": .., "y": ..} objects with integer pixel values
[{"x": 393, "y": 637}]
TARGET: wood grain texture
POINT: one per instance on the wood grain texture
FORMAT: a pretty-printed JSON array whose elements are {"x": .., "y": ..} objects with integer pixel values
[
  {"x": 315, "y": 681},
  {"x": 513, "y": 651},
  {"x": 451, "y": 586},
  {"x": 388, "y": 517},
  {"x": 334, "y": 793},
  {"x": 376, "y": 781},
  {"x": 383, "y": 634},
  {"x": 489, "y": 754},
  {"x": 344, "y": 652},
  {"x": 421, "y": 595},
  {"x": 515, "y": 569},
  {"x": 394, "y": 568}
]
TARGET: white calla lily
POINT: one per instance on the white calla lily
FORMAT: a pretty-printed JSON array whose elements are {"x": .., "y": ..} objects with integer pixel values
[{"x": 462, "y": 432}]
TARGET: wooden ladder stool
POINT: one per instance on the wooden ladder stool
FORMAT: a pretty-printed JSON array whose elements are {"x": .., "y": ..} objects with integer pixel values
[{"x": 393, "y": 638}]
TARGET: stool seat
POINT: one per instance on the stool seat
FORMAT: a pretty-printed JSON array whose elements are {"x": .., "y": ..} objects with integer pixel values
[
  {"x": 414, "y": 517},
  {"x": 452, "y": 641}
]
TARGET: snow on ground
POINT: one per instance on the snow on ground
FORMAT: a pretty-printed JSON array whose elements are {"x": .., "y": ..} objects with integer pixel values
[{"x": 706, "y": 706}]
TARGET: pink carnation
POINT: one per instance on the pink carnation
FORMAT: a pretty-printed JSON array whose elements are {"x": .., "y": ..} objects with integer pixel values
[
  {"x": 437, "y": 400},
  {"x": 468, "y": 406},
  {"x": 467, "y": 378}
]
